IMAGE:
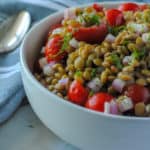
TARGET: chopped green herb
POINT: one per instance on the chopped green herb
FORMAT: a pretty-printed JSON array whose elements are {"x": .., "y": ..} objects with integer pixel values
[
  {"x": 89, "y": 19},
  {"x": 79, "y": 12},
  {"x": 78, "y": 73},
  {"x": 143, "y": 52},
  {"x": 81, "y": 19},
  {"x": 93, "y": 72},
  {"x": 65, "y": 44},
  {"x": 126, "y": 42},
  {"x": 91, "y": 93},
  {"x": 66, "y": 40},
  {"x": 138, "y": 54},
  {"x": 135, "y": 55},
  {"x": 116, "y": 60},
  {"x": 149, "y": 37},
  {"x": 95, "y": 19},
  {"x": 116, "y": 30}
]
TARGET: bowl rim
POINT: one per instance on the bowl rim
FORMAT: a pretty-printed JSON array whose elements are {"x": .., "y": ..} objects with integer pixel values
[{"x": 32, "y": 78}]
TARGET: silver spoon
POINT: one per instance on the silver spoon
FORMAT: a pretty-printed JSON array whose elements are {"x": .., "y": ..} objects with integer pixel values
[{"x": 12, "y": 31}]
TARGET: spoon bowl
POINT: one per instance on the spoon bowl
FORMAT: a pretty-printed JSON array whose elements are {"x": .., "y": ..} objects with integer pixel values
[{"x": 12, "y": 31}]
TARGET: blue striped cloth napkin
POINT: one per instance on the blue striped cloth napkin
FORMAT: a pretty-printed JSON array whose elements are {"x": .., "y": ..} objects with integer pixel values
[{"x": 11, "y": 89}]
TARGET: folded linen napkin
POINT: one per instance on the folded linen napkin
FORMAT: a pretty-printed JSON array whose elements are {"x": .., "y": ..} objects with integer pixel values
[{"x": 11, "y": 88}]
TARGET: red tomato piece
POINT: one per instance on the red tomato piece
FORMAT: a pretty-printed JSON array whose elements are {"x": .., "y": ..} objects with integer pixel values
[
  {"x": 129, "y": 7},
  {"x": 77, "y": 93},
  {"x": 93, "y": 34},
  {"x": 55, "y": 26},
  {"x": 97, "y": 7},
  {"x": 52, "y": 50},
  {"x": 143, "y": 7},
  {"x": 115, "y": 17},
  {"x": 97, "y": 101},
  {"x": 70, "y": 29},
  {"x": 137, "y": 93}
]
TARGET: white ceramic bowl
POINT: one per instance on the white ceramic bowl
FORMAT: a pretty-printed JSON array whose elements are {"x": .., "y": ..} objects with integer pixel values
[{"x": 86, "y": 129}]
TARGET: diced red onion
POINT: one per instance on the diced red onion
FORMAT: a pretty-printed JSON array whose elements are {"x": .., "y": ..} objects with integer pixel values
[
  {"x": 74, "y": 43},
  {"x": 111, "y": 108},
  {"x": 63, "y": 81},
  {"x": 146, "y": 37},
  {"x": 139, "y": 28},
  {"x": 69, "y": 14},
  {"x": 127, "y": 60},
  {"x": 114, "y": 108},
  {"x": 48, "y": 69},
  {"x": 42, "y": 62},
  {"x": 52, "y": 63},
  {"x": 110, "y": 38},
  {"x": 106, "y": 108},
  {"x": 126, "y": 104},
  {"x": 118, "y": 85},
  {"x": 95, "y": 84}
]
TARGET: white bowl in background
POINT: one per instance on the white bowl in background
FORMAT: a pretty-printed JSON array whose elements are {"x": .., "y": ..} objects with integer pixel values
[{"x": 86, "y": 129}]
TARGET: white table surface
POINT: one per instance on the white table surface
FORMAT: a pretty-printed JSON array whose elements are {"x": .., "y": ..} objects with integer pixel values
[{"x": 24, "y": 131}]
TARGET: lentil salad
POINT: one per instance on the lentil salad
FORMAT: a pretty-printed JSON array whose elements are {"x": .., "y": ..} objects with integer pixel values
[{"x": 99, "y": 59}]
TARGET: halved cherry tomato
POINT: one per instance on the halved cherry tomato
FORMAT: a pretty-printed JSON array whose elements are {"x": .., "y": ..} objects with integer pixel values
[
  {"x": 97, "y": 7},
  {"x": 52, "y": 49},
  {"x": 97, "y": 101},
  {"x": 55, "y": 26},
  {"x": 129, "y": 7},
  {"x": 114, "y": 17},
  {"x": 137, "y": 93},
  {"x": 93, "y": 34},
  {"x": 143, "y": 7},
  {"x": 77, "y": 93}
]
